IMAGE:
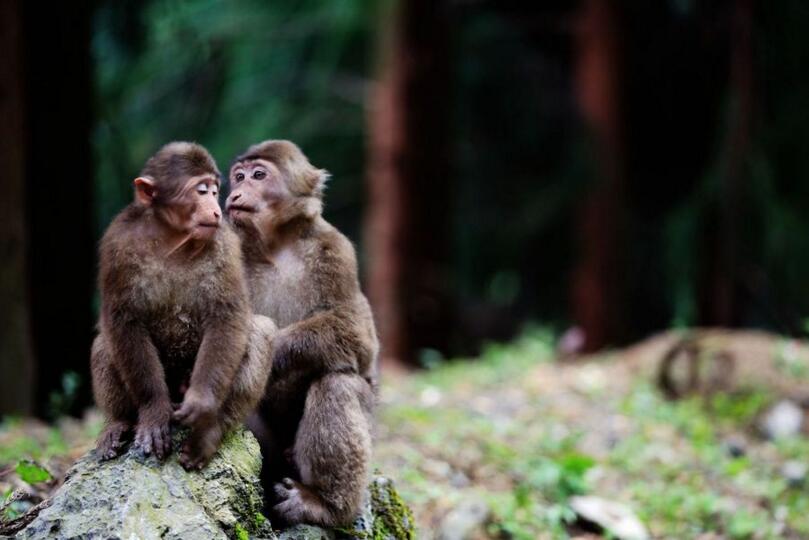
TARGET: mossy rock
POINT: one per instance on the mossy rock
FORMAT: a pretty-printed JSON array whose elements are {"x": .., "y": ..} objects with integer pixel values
[{"x": 138, "y": 497}]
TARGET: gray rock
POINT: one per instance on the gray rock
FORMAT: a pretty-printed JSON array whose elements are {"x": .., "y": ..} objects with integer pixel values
[
  {"x": 735, "y": 446},
  {"x": 464, "y": 519},
  {"x": 616, "y": 518},
  {"x": 784, "y": 419},
  {"x": 794, "y": 472},
  {"x": 137, "y": 497}
]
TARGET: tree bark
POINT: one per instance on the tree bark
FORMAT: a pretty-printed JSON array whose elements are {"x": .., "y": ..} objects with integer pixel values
[
  {"x": 16, "y": 357},
  {"x": 597, "y": 299},
  {"x": 408, "y": 176},
  {"x": 719, "y": 302}
]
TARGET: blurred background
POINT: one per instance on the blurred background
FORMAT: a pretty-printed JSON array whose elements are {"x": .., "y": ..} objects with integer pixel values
[
  {"x": 612, "y": 167},
  {"x": 560, "y": 177}
]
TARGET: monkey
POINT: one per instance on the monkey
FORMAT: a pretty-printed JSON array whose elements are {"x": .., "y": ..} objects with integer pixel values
[
  {"x": 176, "y": 338},
  {"x": 316, "y": 418}
]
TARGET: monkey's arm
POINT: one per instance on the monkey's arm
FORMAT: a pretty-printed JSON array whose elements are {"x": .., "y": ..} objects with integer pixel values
[
  {"x": 223, "y": 346},
  {"x": 327, "y": 342},
  {"x": 137, "y": 360},
  {"x": 138, "y": 363}
]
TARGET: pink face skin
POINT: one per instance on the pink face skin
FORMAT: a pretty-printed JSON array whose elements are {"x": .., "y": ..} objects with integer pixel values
[
  {"x": 257, "y": 186},
  {"x": 202, "y": 196}
]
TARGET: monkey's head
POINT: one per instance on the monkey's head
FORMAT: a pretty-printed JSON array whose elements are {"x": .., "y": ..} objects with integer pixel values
[
  {"x": 180, "y": 183},
  {"x": 272, "y": 183}
]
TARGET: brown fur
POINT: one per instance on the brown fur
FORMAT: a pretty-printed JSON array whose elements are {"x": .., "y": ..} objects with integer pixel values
[
  {"x": 174, "y": 327},
  {"x": 302, "y": 273}
]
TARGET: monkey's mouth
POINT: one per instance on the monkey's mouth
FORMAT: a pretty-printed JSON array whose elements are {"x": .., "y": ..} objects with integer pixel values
[
  {"x": 210, "y": 225},
  {"x": 240, "y": 208}
]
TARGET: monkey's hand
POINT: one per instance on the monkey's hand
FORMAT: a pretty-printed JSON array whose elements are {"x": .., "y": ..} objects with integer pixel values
[
  {"x": 283, "y": 352},
  {"x": 198, "y": 409},
  {"x": 153, "y": 433}
]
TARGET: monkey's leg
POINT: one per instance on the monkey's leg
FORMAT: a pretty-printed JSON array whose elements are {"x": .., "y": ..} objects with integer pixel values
[
  {"x": 248, "y": 387},
  {"x": 332, "y": 451},
  {"x": 111, "y": 396}
]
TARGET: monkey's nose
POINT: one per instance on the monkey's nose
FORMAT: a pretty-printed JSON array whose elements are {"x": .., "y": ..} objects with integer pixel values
[
  {"x": 217, "y": 214},
  {"x": 235, "y": 197}
]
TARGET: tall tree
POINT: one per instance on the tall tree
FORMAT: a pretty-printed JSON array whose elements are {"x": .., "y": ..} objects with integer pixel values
[
  {"x": 16, "y": 358},
  {"x": 598, "y": 299},
  {"x": 47, "y": 237},
  {"x": 408, "y": 173},
  {"x": 59, "y": 192}
]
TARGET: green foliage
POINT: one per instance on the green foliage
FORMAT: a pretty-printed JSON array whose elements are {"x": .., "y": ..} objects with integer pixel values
[
  {"x": 20, "y": 445},
  {"x": 31, "y": 472},
  {"x": 61, "y": 402},
  {"x": 228, "y": 74}
]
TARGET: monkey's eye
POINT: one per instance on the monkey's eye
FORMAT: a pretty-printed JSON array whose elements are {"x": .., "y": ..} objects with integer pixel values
[
  {"x": 259, "y": 174},
  {"x": 202, "y": 188},
  {"x": 239, "y": 176},
  {"x": 214, "y": 191}
]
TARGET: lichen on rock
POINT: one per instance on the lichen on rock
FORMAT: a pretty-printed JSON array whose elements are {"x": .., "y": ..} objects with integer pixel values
[{"x": 138, "y": 497}]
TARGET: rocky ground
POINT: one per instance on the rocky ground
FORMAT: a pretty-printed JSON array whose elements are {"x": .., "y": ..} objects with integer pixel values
[
  {"x": 501, "y": 447},
  {"x": 519, "y": 444}
]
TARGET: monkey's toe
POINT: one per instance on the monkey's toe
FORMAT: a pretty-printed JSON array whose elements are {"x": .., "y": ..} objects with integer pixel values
[
  {"x": 111, "y": 442},
  {"x": 286, "y": 490},
  {"x": 289, "y": 510}
]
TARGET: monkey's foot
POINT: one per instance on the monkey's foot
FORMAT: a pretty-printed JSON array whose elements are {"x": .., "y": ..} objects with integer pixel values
[
  {"x": 199, "y": 447},
  {"x": 298, "y": 504},
  {"x": 112, "y": 440}
]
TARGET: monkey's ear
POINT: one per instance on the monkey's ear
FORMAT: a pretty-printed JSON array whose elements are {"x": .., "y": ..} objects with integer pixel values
[
  {"x": 145, "y": 190},
  {"x": 321, "y": 176}
]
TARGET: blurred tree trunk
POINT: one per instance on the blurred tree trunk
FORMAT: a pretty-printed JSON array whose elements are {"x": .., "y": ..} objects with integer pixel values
[
  {"x": 597, "y": 286},
  {"x": 16, "y": 358},
  {"x": 60, "y": 193},
  {"x": 48, "y": 235},
  {"x": 719, "y": 295},
  {"x": 408, "y": 174}
]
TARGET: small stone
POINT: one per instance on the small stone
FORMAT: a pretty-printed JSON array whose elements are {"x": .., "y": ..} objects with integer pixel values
[
  {"x": 616, "y": 518},
  {"x": 430, "y": 396},
  {"x": 464, "y": 519},
  {"x": 784, "y": 419},
  {"x": 735, "y": 446},
  {"x": 459, "y": 480},
  {"x": 794, "y": 472}
]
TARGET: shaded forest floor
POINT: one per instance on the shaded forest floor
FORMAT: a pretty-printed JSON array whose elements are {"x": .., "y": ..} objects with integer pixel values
[
  {"x": 518, "y": 433},
  {"x": 501, "y": 443}
]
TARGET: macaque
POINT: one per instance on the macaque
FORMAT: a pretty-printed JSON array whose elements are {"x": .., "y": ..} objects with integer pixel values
[
  {"x": 176, "y": 338},
  {"x": 316, "y": 416}
]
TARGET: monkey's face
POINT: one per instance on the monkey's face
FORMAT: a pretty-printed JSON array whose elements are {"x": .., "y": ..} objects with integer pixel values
[
  {"x": 258, "y": 188},
  {"x": 195, "y": 210}
]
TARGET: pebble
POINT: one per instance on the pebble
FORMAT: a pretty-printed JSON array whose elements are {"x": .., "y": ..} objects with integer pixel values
[
  {"x": 784, "y": 419},
  {"x": 794, "y": 472},
  {"x": 616, "y": 518},
  {"x": 464, "y": 519}
]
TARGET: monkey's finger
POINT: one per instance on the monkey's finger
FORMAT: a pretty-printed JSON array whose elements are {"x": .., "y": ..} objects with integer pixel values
[
  {"x": 281, "y": 491},
  {"x": 159, "y": 443},
  {"x": 145, "y": 442},
  {"x": 181, "y": 414},
  {"x": 167, "y": 439}
]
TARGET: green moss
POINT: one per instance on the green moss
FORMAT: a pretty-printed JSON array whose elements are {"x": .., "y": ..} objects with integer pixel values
[
  {"x": 241, "y": 533},
  {"x": 392, "y": 517}
]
